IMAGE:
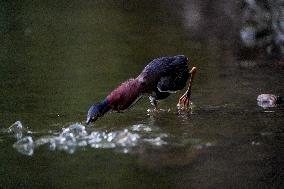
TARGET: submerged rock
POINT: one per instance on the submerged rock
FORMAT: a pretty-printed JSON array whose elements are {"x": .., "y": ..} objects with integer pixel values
[{"x": 268, "y": 100}]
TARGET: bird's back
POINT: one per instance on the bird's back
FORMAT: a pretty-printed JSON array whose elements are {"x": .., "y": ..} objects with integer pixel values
[
  {"x": 168, "y": 74},
  {"x": 166, "y": 65}
]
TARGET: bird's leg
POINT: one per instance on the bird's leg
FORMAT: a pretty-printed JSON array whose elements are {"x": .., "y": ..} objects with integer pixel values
[
  {"x": 153, "y": 101},
  {"x": 184, "y": 100},
  {"x": 155, "y": 105}
]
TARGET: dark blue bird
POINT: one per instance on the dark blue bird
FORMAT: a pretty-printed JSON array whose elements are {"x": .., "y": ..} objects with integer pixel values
[{"x": 160, "y": 78}]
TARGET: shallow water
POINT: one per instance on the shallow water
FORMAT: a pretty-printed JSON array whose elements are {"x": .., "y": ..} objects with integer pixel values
[{"x": 57, "y": 58}]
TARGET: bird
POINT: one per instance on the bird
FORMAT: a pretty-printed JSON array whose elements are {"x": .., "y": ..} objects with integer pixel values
[{"x": 161, "y": 77}]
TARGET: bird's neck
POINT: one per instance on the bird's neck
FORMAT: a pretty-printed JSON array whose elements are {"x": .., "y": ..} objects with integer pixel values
[
  {"x": 104, "y": 106},
  {"x": 136, "y": 85},
  {"x": 125, "y": 94}
]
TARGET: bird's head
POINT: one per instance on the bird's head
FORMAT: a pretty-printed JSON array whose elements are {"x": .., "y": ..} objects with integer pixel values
[{"x": 96, "y": 111}]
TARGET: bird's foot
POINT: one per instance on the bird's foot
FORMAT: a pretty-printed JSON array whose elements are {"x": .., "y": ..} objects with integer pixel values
[{"x": 184, "y": 102}]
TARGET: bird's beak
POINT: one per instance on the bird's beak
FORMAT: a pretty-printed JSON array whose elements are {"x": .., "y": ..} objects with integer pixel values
[
  {"x": 92, "y": 114},
  {"x": 91, "y": 119},
  {"x": 88, "y": 120}
]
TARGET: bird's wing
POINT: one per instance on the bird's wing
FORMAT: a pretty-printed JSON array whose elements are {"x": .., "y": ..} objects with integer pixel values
[
  {"x": 167, "y": 74},
  {"x": 174, "y": 81}
]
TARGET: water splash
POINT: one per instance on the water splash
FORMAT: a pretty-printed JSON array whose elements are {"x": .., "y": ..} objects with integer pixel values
[
  {"x": 141, "y": 127},
  {"x": 76, "y": 136},
  {"x": 17, "y": 129},
  {"x": 113, "y": 139},
  {"x": 158, "y": 141},
  {"x": 25, "y": 146}
]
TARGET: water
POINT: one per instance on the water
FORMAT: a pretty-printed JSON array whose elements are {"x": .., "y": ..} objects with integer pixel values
[{"x": 59, "y": 57}]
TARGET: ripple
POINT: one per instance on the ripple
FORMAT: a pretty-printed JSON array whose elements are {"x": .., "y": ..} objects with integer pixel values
[{"x": 201, "y": 146}]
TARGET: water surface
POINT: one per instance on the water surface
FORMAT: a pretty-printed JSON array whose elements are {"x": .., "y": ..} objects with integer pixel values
[{"x": 59, "y": 57}]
